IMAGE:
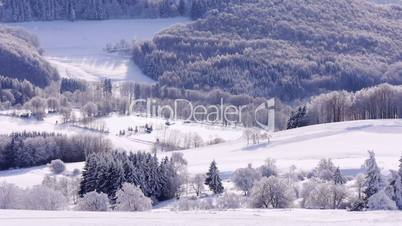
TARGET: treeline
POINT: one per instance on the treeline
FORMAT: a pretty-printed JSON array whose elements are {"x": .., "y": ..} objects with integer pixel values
[
  {"x": 165, "y": 95},
  {"x": 256, "y": 47},
  {"x": 107, "y": 172},
  {"x": 15, "y": 92},
  {"x": 27, "y": 149},
  {"x": 32, "y": 10},
  {"x": 20, "y": 57},
  {"x": 379, "y": 102}
]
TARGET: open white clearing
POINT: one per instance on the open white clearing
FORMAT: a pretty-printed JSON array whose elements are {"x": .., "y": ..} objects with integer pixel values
[
  {"x": 346, "y": 143},
  {"x": 243, "y": 217},
  {"x": 76, "y": 48}
]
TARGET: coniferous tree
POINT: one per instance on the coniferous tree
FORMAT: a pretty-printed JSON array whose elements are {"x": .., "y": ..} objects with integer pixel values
[
  {"x": 338, "y": 177},
  {"x": 213, "y": 179},
  {"x": 298, "y": 119},
  {"x": 374, "y": 180},
  {"x": 88, "y": 181},
  {"x": 339, "y": 180}
]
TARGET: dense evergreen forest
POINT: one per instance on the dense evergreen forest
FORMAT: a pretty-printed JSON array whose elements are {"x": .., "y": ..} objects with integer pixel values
[
  {"x": 29, "y": 10},
  {"x": 287, "y": 49}
]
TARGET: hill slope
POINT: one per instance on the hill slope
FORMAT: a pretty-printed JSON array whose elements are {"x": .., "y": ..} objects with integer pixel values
[
  {"x": 20, "y": 58},
  {"x": 288, "y": 49}
]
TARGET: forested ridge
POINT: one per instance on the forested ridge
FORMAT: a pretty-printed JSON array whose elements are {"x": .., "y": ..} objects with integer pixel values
[
  {"x": 20, "y": 58},
  {"x": 30, "y": 10},
  {"x": 285, "y": 49}
]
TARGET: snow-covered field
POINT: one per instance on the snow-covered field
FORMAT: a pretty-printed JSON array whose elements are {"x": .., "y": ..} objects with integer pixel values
[
  {"x": 346, "y": 143},
  {"x": 243, "y": 217},
  {"x": 76, "y": 48}
]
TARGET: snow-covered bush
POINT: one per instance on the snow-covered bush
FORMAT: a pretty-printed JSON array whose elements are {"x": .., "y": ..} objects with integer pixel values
[
  {"x": 271, "y": 192},
  {"x": 316, "y": 195},
  {"x": 322, "y": 195},
  {"x": 245, "y": 178},
  {"x": 43, "y": 198},
  {"x": 131, "y": 198},
  {"x": 93, "y": 201},
  {"x": 229, "y": 201},
  {"x": 57, "y": 166},
  {"x": 186, "y": 204},
  {"x": 381, "y": 201},
  {"x": 10, "y": 196}
]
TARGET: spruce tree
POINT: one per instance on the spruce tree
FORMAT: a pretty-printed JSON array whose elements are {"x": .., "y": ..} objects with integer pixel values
[
  {"x": 374, "y": 180},
  {"x": 213, "y": 179},
  {"x": 88, "y": 181},
  {"x": 338, "y": 177},
  {"x": 298, "y": 119}
]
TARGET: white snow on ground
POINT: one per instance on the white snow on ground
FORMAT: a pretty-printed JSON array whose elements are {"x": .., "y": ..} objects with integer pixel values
[
  {"x": 29, "y": 177},
  {"x": 346, "y": 143},
  {"x": 244, "y": 217},
  {"x": 76, "y": 48},
  {"x": 115, "y": 123}
]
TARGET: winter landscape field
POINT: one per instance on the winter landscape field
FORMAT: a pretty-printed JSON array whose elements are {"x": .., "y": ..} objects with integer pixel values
[{"x": 201, "y": 112}]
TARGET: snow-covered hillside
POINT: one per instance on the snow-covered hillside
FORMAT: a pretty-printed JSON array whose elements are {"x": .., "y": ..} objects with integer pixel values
[
  {"x": 346, "y": 143},
  {"x": 76, "y": 48},
  {"x": 243, "y": 217}
]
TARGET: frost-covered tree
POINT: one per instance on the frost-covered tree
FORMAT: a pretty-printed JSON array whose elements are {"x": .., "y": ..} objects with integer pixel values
[
  {"x": 10, "y": 196},
  {"x": 317, "y": 195},
  {"x": 381, "y": 201},
  {"x": 269, "y": 168},
  {"x": 229, "y": 201},
  {"x": 245, "y": 178},
  {"x": 394, "y": 188},
  {"x": 338, "y": 177},
  {"x": 271, "y": 192},
  {"x": 44, "y": 198},
  {"x": 325, "y": 170},
  {"x": 213, "y": 179},
  {"x": 38, "y": 107},
  {"x": 93, "y": 201},
  {"x": 374, "y": 180},
  {"x": 57, "y": 166},
  {"x": 298, "y": 118},
  {"x": 131, "y": 198},
  {"x": 197, "y": 183}
]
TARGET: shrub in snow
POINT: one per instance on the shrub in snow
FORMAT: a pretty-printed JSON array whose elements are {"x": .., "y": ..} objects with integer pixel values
[
  {"x": 9, "y": 196},
  {"x": 43, "y": 198},
  {"x": 316, "y": 195},
  {"x": 93, "y": 201},
  {"x": 57, "y": 166},
  {"x": 131, "y": 198},
  {"x": 229, "y": 201},
  {"x": 245, "y": 178},
  {"x": 76, "y": 172},
  {"x": 185, "y": 204},
  {"x": 381, "y": 201},
  {"x": 271, "y": 192}
]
